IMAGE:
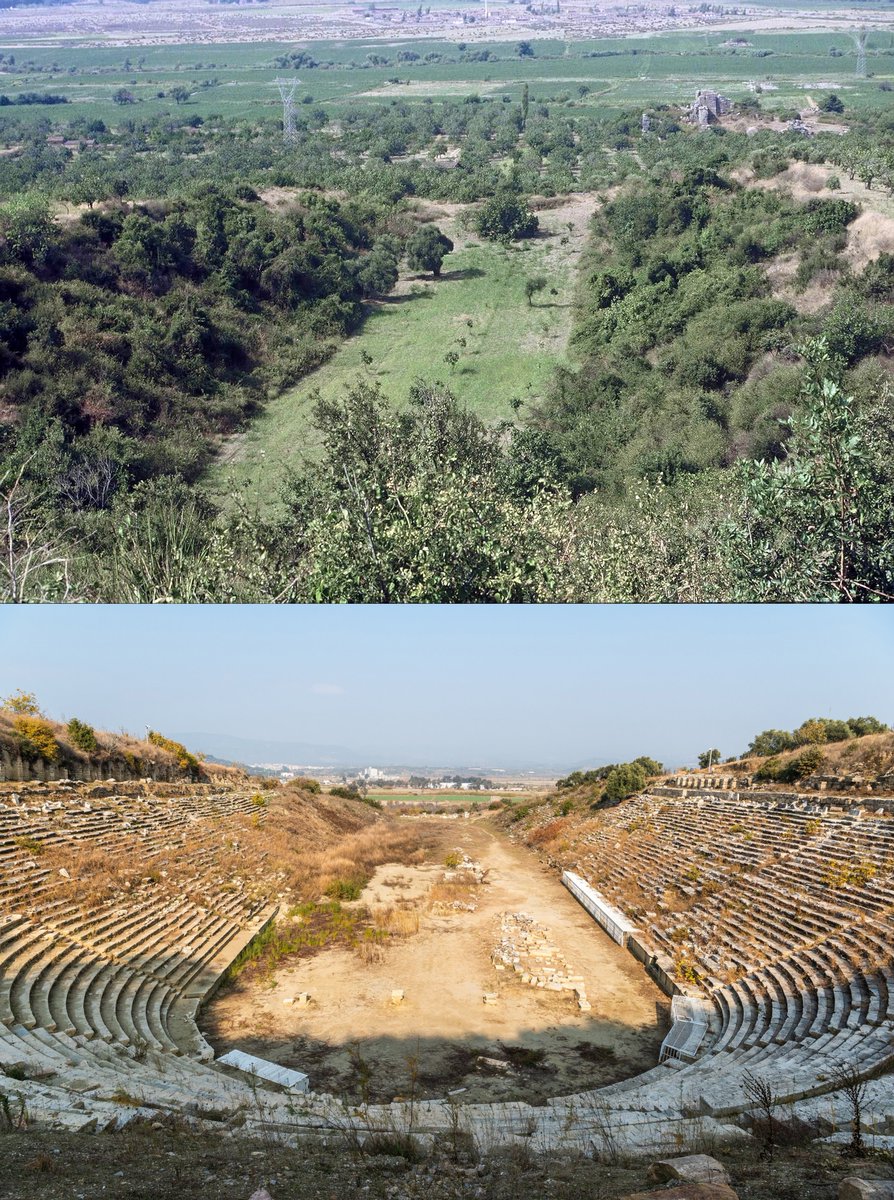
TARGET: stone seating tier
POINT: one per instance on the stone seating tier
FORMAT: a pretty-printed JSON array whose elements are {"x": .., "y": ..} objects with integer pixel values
[{"x": 793, "y": 954}]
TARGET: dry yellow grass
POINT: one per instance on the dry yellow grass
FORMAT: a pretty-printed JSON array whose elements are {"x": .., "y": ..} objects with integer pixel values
[
  {"x": 462, "y": 887},
  {"x": 398, "y": 922}
]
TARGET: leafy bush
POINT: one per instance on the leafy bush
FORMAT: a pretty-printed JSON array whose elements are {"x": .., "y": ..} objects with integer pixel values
[
  {"x": 791, "y": 770},
  {"x": 185, "y": 760},
  {"x": 35, "y": 738},
  {"x": 827, "y": 216},
  {"x": 305, "y": 784},
  {"x": 831, "y": 103},
  {"x": 82, "y": 735},
  {"x": 625, "y": 780},
  {"x": 346, "y": 889},
  {"x": 427, "y": 249},
  {"x": 802, "y": 765},
  {"x": 651, "y": 766},
  {"x": 345, "y": 793},
  {"x": 506, "y": 218},
  {"x": 24, "y": 703}
]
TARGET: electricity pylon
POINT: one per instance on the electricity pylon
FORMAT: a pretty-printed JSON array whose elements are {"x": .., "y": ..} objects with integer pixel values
[
  {"x": 860, "y": 43},
  {"x": 287, "y": 95}
]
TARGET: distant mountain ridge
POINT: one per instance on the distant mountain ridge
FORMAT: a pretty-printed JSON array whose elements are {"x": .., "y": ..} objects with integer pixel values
[{"x": 253, "y": 750}]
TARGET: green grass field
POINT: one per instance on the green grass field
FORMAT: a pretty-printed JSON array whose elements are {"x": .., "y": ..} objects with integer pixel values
[
  {"x": 234, "y": 80},
  {"x": 511, "y": 349}
]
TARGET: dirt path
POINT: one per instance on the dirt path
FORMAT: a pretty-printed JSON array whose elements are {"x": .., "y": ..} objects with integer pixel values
[{"x": 540, "y": 1042}]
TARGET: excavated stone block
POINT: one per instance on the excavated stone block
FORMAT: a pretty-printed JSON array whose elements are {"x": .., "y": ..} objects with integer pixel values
[
  {"x": 692, "y": 1168},
  {"x": 853, "y": 1188}
]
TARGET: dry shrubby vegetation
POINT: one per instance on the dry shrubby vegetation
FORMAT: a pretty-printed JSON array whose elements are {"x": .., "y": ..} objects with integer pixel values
[
  {"x": 26, "y": 733},
  {"x": 168, "y": 1159},
  {"x": 869, "y": 757}
]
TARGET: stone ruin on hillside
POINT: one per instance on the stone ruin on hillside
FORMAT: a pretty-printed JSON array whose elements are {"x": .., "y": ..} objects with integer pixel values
[{"x": 708, "y": 107}]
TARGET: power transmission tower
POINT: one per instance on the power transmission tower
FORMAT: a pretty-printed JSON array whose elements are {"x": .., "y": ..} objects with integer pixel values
[
  {"x": 287, "y": 95},
  {"x": 860, "y": 43}
]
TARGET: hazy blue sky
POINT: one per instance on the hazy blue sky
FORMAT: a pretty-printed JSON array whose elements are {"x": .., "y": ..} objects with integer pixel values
[{"x": 462, "y": 685}]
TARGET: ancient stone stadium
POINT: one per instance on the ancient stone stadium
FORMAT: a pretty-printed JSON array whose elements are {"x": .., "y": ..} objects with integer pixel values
[{"x": 765, "y": 914}]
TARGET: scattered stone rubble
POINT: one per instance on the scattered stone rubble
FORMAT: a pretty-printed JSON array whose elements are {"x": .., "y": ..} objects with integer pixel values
[
  {"x": 526, "y": 949},
  {"x": 466, "y": 871}
]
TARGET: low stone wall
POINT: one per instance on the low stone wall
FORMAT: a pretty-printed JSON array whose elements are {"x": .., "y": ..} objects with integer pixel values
[
  {"x": 610, "y": 918},
  {"x": 658, "y": 966},
  {"x": 814, "y": 802},
  {"x": 15, "y": 769}
]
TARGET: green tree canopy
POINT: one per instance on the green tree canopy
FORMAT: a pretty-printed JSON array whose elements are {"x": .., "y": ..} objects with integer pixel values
[
  {"x": 427, "y": 248},
  {"x": 817, "y": 525},
  {"x": 625, "y": 780},
  {"x": 505, "y": 218}
]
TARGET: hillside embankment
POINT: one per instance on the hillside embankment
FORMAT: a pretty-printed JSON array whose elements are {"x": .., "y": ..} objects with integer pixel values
[{"x": 34, "y": 747}]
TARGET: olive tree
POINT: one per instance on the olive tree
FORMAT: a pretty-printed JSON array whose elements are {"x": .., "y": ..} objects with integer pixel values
[
  {"x": 427, "y": 248},
  {"x": 819, "y": 525}
]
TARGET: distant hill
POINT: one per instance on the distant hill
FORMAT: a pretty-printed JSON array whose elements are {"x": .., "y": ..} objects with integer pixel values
[{"x": 251, "y": 750}]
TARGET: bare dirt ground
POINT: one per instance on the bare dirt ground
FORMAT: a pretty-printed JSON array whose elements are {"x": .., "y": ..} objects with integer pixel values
[{"x": 352, "y": 1030}]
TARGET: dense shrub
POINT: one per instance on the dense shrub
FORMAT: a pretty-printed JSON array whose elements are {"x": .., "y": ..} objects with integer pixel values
[
  {"x": 35, "y": 738},
  {"x": 625, "y": 780},
  {"x": 791, "y": 770},
  {"x": 305, "y": 784},
  {"x": 505, "y": 218},
  {"x": 185, "y": 760},
  {"x": 82, "y": 735},
  {"x": 345, "y": 793},
  {"x": 346, "y": 889}
]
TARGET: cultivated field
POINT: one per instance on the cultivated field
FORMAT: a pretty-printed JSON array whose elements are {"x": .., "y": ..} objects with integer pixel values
[{"x": 237, "y": 80}]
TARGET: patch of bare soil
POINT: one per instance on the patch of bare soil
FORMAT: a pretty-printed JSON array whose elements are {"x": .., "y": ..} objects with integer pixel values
[
  {"x": 282, "y": 197},
  {"x": 154, "y": 1161},
  {"x": 781, "y": 273},
  {"x": 870, "y": 235},
  {"x": 441, "y": 1036}
]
